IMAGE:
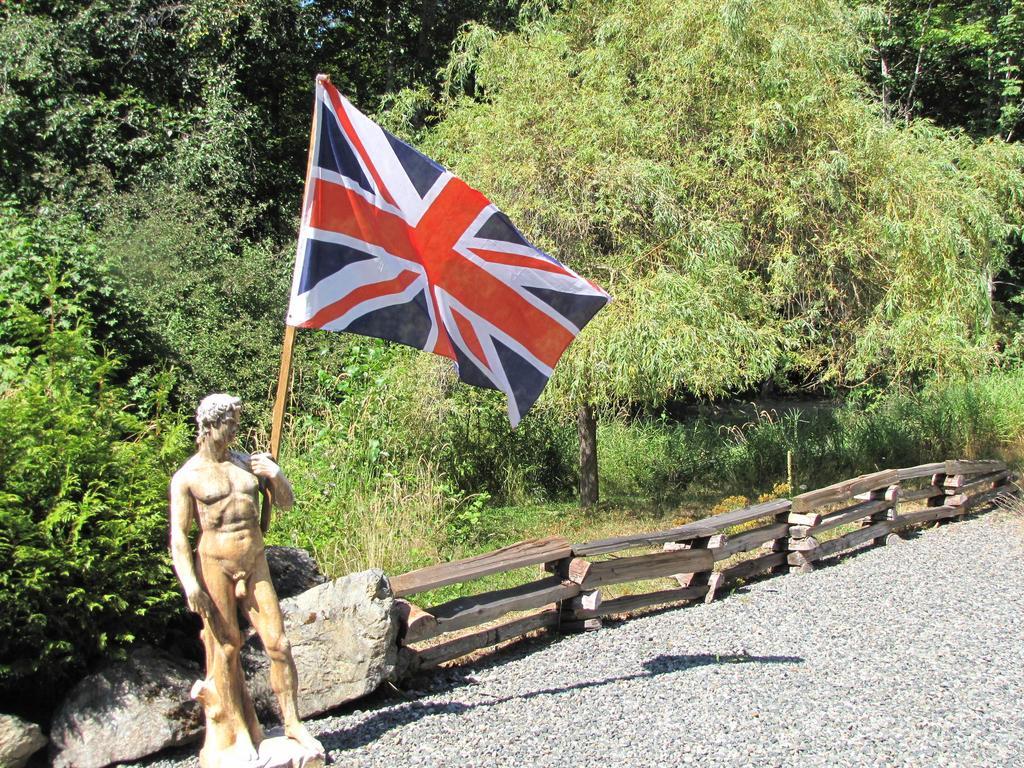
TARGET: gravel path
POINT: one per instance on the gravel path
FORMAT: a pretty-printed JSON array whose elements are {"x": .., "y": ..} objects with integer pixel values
[{"x": 909, "y": 655}]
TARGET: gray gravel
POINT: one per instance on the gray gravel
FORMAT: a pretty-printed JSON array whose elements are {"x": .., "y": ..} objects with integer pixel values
[{"x": 908, "y": 655}]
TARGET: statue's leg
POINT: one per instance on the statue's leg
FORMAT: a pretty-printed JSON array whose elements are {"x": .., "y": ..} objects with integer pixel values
[
  {"x": 222, "y": 640},
  {"x": 264, "y": 613}
]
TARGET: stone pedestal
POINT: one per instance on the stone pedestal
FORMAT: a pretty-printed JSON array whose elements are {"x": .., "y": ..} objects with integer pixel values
[
  {"x": 275, "y": 751},
  {"x": 282, "y": 752}
]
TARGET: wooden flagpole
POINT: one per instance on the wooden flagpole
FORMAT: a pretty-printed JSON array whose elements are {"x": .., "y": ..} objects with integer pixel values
[
  {"x": 281, "y": 399},
  {"x": 285, "y": 371}
]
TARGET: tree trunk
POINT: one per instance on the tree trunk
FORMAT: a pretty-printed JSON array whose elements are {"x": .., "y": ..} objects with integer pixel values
[{"x": 586, "y": 426}]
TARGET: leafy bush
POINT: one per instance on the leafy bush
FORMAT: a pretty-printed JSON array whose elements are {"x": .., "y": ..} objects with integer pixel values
[
  {"x": 213, "y": 299},
  {"x": 84, "y": 566},
  {"x": 48, "y": 260},
  {"x": 393, "y": 463}
]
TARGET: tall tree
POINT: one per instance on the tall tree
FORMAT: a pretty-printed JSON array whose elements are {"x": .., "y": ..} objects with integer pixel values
[
  {"x": 722, "y": 170},
  {"x": 957, "y": 62}
]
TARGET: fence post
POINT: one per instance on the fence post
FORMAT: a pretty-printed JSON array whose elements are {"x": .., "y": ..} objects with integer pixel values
[
  {"x": 781, "y": 544},
  {"x": 892, "y": 495},
  {"x": 800, "y": 545},
  {"x": 701, "y": 578},
  {"x": 589, "y": 600},
  {"x": 951, "y": 486},
  {"x": 938, "y": 499}
]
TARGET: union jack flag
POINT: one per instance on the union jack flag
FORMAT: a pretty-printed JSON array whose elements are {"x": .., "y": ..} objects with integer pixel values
[{"x": 394, "y": 246}]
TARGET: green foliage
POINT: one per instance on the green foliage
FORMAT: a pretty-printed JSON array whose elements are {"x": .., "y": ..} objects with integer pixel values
[
  {"x": 958, "y": 63},
  {"x": 51, "y": 268},
  {"x": 722, "y": 168},
  {"x": 214, "y": 96},
  {"x": 664, "y": 463},
  {"x": 213, "y": 299},
  {"x": 84, "y": 567},
  {"x": 387, "y": 407},
  {"x": 393, "y": 462},
  {"x": 724, "y": 172},
  {"x": 644, "y": 461}
]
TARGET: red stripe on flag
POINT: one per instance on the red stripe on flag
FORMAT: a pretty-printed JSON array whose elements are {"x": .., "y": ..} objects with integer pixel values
[
  {"x": 517, "y": 260},
  {"x": 350, "y": 131},
  {"x": 443, "y": 345},
  {"x": 453, "y": 211},
  {"x": 470, "y": 339},
  {"x": 339, "y": 209},
  {"x": 332, "y": 312},
  {"x": 544, "y": 337}
]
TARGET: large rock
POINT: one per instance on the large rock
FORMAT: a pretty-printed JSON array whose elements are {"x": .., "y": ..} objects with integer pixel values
[
  {"x": 343, "y": 636},
  {"x": 127, "y": 710},
  {"x": 293, "y": 571},
  {"x": 19, "y": 740}
]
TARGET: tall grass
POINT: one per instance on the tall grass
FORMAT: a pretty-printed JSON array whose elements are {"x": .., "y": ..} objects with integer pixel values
[
  {"x": 658, "y": 461},
  {"x": 395, "y": 523},
  {"x": 378, "y": 487}
]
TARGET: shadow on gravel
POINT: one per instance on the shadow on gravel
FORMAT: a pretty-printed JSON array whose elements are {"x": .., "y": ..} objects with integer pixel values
[
  {"x": 659, "y": 665},
  {"x": 385, "y": 720}
]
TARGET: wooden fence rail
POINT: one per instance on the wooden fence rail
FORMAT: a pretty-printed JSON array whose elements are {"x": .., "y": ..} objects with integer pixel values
[{"x": 786, "y": 535}]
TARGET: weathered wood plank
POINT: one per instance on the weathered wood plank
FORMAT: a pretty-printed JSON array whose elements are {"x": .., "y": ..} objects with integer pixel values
[
  {"x": 680, "y": 535},
  {"x": 954, "y": 481},
  {"x": 566, "y": 626},
  {"x": 892, "y": 493},
  {"x": 748, "y": 540},
  {"x": 928, "y": 492},
  {"x": 701, "y": 577},
  {"x": 980, "y": 499},
  {"x": 629, "y": 603},
  {"x": 477, "y": 609},
  {"x": 414, "y": 624},
  {"x": 697, "y": 529},
  {"x": 754, "y": 566},
  {"x": 837, "y": 492},
  {"x": 460, "y": 646},
  {"x": 848, "y": 515},
  {"x": 921, "y": 470},
  {"x": 983, "y": 483},
  {"x": 803, "y": 545},
  {"x": 925, "y": 516},
  {"x": 506, "y": 559},
  {"x": 727, "y": 520},
  {"x": 802, "y": 558},
  {"x": 862, "y": 536},
  {"x": 585, "y": 601},
  {"x": 708, "y": 542},
  {"x": 622, "y": 569},
  {"x": 969, "y": 467},
  {"x": 716, "y": 581}
]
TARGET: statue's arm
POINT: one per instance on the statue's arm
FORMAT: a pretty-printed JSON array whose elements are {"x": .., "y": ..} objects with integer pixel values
[
  {"x": 181, "y": 552},
  {"x": 280, "y": 488}
]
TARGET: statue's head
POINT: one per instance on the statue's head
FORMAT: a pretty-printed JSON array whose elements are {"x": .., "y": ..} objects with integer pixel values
[{"x": 217, "y": 411}]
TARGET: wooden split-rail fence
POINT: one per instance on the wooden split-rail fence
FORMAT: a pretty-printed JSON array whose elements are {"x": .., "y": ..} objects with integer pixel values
[{"x": 783, "y": 536}]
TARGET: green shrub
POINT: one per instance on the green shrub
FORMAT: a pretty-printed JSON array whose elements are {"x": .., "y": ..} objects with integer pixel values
[
  {"x": 50, "y": 268},
  {"x": 84, "y": 566},
  {"x": 214, "y": 299}
]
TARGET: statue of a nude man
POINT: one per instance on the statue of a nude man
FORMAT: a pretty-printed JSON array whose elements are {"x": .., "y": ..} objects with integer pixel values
[{"x": 221, "y": 490}]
